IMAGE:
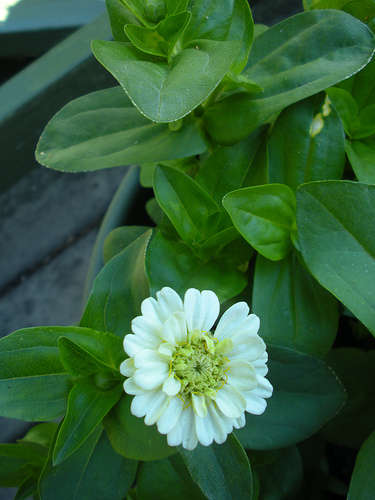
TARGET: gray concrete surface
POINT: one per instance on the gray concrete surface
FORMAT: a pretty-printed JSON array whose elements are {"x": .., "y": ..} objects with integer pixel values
[{"x": 48, "y": 226}]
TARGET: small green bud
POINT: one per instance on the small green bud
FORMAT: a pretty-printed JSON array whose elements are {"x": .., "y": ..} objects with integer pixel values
[
  {"x": 176, "y": 125},
  {"x": 104, "y": 380},
  {"x": 155, "y": 10}
]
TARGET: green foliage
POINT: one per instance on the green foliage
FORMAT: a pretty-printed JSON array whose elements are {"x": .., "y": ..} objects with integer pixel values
[
  {"x": 94, "y": 470},
  {"x": 307, "y": 393},
  {"x": 229, "y": 475},
  {"x": 160, "y": 481},
  {"x": 335, "y": 47},
  {"x": 103, "y": 129},
  {"x": 259, "y": 145},
  {"x": 162, "y": 92},
  {"x": 296, "y": 311},
  {"x": 87, "y": 406},
  {"x": 304, "y": 135},
  {"x": 355, "y": 422},
  {"x": 363, "y": 482},
  {"x": 265, "y": 217},
  {"x": 34, "y": 384},
  {"x": 131, "y": 438},
  {"x": 118, "y": 291},
  {"x": 336, "y": 244},
  {"x": 21, "y": 464},
  {"x": 286, "y": 470},
  {"x": 168, "y": 260}
]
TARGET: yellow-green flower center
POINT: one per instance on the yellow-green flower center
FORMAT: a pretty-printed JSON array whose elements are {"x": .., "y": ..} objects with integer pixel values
[{"x": 200, "y": 366}]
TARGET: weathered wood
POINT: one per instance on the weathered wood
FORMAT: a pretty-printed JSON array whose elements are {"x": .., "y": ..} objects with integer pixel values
[{"x": 30, "y": 99}]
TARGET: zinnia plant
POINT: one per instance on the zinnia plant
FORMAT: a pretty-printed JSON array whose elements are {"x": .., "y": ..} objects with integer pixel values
[
  {"x": 257, "y": 145},
  {"x": 196, "y": 385}
]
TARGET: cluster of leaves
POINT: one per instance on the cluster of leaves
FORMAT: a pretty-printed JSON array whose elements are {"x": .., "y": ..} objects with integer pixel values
[{"x": 259, "y": 145}]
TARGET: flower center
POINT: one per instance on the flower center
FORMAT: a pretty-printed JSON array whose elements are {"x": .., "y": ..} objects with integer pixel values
[{"x": 199, "y": 366}]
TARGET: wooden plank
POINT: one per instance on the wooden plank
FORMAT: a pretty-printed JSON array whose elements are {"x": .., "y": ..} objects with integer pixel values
[
  {"x": 30, "y": 99},
  {"x": 31, "y": 27}
]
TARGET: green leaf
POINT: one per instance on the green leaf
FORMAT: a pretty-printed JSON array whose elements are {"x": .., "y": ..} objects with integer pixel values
[
  {"x": 22, "y": 461},
  {"x": 138, "y": 9},
  {"x": 41, "y": 434},
  {"x": 242, "y": 29},
  {"x": 28, "y": 488},
  {"x": 191, "y": 210},
  {"x": 306, "y": 394},
  {"x": 361, "y": 9},
  {"x": 233, "y": 167},
  {"x": 131, "y": 437},
  {"x": 362, "y": 485},
  {"x": 158, "y": 480},
  {"x": 185, "y": 477},
  {"x": 103, "y": 129},
  {"x": 163, "y": 92},
  {"x": 87, "y": 406},
  {"x": 119, "y": 290},
  {"x": 104, "y": 348},
  {"x": 33, "y": 382},
  {"x": 361, "y": 155},
  {"x": 93, "y": 472},
  {"x": 91, "y": 354},
  {"x": 121, "y": 237},
  {"x": 362, "y": 86},
  {"x": 119, "y": 16},
  {"x": 227, "y": 245},
  {"x": 355, "y": 422},
  {"x": 171, "y": 263},
  {"x": 346, "y": 107},
  {"x": 232, "y": 81},
  {"x": 15, "y": 464},
  {"x": 295, "y": 310},
  {"x": 367, "y": 123},
  {"x": 358, "y": 124},
  {"x": 286, "y": 471},
  {"x": 265, "y": 217},
  {"x": 223, "y": 20},
  {"x": 336, "y": 243},
  {"x": 292, "y": 60},
  {"x": 304, "y": 135},
  {"x": 210, "y": 19},
  {"x": 226, "y": 473},
  {"x": 161, "y": 39}
]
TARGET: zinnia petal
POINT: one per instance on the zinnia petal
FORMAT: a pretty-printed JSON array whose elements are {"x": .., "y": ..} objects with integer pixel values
[
  {"x": 264, "y": 388},
  {"x": 220, "y": 433},
  {"x": 147, "y": 329},
  {"x": 152, "y": 369},
  {"x": 199, "y": 404},
  {"x": 134, "y": 344},
  {"x": 151, "y": 405},
  {"x": 167, "y": 302},
  {"x": 247, "y": 346},
  {"x": 260, "y": 365},
  {"x": 242, "y": 375},
  {"x": 230, "y": 401},
  {"x": 172, "y": 386},
  {"x": 171, "y": 416},
  {"x": 201, "y": 308},
  {"x": 184, "y": 431},
  {"x": 254, "y": 404},
  {"x": 236, "y": 320},
  {"x": 130, "y": 387},
  {"x": 127, "y": 367},
  {"x": 175, "y": 329}
]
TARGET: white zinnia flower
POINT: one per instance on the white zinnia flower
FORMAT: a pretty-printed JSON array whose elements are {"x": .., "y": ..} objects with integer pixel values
[{"x": 196, "y": 385}]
